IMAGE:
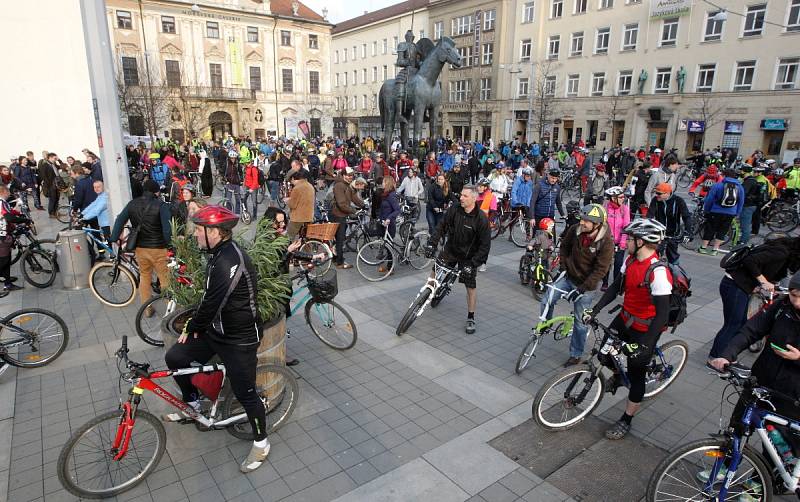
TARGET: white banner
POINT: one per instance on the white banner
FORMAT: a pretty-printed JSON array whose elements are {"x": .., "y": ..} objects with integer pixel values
[{"x": 669, "y": 8}]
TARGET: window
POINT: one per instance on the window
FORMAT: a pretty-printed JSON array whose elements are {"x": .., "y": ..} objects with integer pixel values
[
  {"x": 488, "y": 19},
  {"x": 336, "y": 57},
  {"x": 355, "y": 102},
  {"x": 553, "y": 46},
  {"x": 580, "y": 6},
  {"x": 525, "y": 50},
  {"x": 527, "y": 12},
  {"x": 215, "y": 72},
  {"x": 313, "y": 82},
  {"x": 364, "y": 76},
  {"x": 661, "y": 83},
  {"x": 438, "y": 30},
  {"x": 375, "y": 48},
  {"x": 287, "y": 80},
  {"x": 550, "y": 85},
  {"x": 713, "y": 28},
  {"x": 394, "y": 45},
  {"x": 743, "y": 78},
  {"x": 374, "y": 73},
  {"x": 124, "y": 20},
  {"x": 130, "y": 71},
  {"x": 286, "y": 39},
  {"x": 173, "y": 73},
  {"x": 252, "y": 34},
  {"x": 705, "y": 77},
  {"x": 522, "y": 87},
  {"x": 787, "y": 73},
  {"x": 466, "y": 55},
  {"x": 598, "y": 83},
  {"x": 344, "y": 55},
  {"x": 624, "y": 82},
  {"x": 344, "y": 78},
  {"x": 573, "y": 82},
  {"x": 212, "y": 29},
  {"x": 167, "y": 24},
  {"x": 385, "y": 72},
  {"x": 313, "y": 41},
  {"x": 754, "y": 20},
  {"x": 630, "y": 37},
  {"x": 669, "y": 32},
  {"x": 488, "y": 53},
  {"x": 344, "y": 104},
  {"x": 461, "y": 25},
  {"x": 355, "y": 77},
  {"x": 363, "y": 51},
  {"x": 556, "y": 9},
  {"x": 486, "y": 89},
  {"x": 459, "y": 90},
  {"x": 606, "y": 4},
  {"x": 601, "y": 44},
  {"x": 576, "y": 44},
  {"x": 336, "y": 80},
  {"x": 136, "y": 125},
  {"x": 385, "y": 46},
  {"x": 355, "y": 54},
  {"x": 336, "y": 104},
  {"x": 364, "y": 102},
  {"x": 793, "y": 19},
  {"x": 422, "y": 33},
  {"x": 255, "y": 78}
]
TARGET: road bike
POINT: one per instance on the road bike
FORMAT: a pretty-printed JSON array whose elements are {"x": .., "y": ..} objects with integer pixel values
[
  {"x": 519, "y": 228},
  {"x": 227, "y": 203},
  {"x": 38, "y": 259},
  {"x": 30, "y": 338},
  {"x": 560, "y": 327},
  {"x": 725, "y": 466},
  {"x": 102, "y": 458},
  {"x": 377, "y": 259},
  {"x": 571, "y": 395},
  {"x": 432, "y": 293}
]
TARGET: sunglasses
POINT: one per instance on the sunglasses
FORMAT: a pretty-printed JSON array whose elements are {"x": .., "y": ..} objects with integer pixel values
[{"x": 659, "y": 193}]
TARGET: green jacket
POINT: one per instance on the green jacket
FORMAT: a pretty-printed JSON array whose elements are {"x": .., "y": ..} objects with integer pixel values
[{"x": 793, "y": 179}]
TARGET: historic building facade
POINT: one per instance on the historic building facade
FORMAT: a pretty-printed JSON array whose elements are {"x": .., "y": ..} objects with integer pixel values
[{"x": 210, "y": 68}]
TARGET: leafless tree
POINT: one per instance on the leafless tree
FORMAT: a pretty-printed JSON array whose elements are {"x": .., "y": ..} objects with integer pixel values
[
  {"x": 544, "y": 94},
  {"x": 710, "y": 109},
  {"x": 479, "y": 106},
  {"x": 150, "y": 98}
]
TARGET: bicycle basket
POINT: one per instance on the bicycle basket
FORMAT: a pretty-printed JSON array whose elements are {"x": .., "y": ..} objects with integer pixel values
[
  {"x": 321, "y": 231},
  {"x": 324, "y": 288}
]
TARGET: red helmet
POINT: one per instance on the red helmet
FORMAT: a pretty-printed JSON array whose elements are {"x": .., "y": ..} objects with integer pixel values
[
  {"x": 712, "y": 170},
  {"x": 215, "y": 217},
  {"x": 544, "y": 223}
]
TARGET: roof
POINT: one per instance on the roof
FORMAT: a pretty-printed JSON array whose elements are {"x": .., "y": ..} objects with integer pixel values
[
  {"x": 380, "y": 15},
  {"x": 284, "y": 8}
]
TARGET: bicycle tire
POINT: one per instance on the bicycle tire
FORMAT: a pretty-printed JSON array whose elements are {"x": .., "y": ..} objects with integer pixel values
[
  {"x": 35, "y": 358},
  {"x": 98, "y": 274},
  {"x": 246, "y": 219},
  {"x": 415, "y": 250},
  {"x": 527, "y": 352},
  {"x": 676, "y": 369},
  {"x": 355, "y": 239},
  {"x": 524, "y": 270},
  {"x": 442, "y": 291},
  {"x": 72, "y": 486},
  {"x": 372, "y": 262},
  {"x": 696, "y": 237},
  {"x": 314, "y": 246},
  {"x": 519, "y": 232},
  {"x": 702, "y": 447},
  {"x": 347, "y": 341},
  {"x": 684, "y": 180},
  {"x": 413, "y": 312},
  {"x": 406, "y": 230},
  {"x": 279, "y": 407},
  {"x": 149, "y": 328},
  {"x": 783, "y": 220},
  {"x": 260, "y": 194},
  {"x": 575, "y": 374},
  {"x": 495, "y": 225},
  {"x": 63, "y": 213},
  {"x": 38, "y": 268}
]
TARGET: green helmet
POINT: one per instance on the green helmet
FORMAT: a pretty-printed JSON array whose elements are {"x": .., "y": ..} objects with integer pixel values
[{"x": 594, "y": 213}]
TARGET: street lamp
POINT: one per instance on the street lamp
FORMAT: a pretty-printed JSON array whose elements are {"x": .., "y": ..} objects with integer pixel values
[{"x": 513, "y": 72}]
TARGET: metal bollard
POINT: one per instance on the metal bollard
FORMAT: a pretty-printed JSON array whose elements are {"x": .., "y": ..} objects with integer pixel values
[{"x": 74, "y": 262}]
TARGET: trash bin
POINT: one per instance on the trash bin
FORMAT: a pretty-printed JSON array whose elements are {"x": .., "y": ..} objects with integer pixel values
[{"x": 73, "y": 259}]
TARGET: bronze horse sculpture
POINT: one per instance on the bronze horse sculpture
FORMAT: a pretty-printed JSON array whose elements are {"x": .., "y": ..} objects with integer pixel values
[{"x": 423, "y": 93}]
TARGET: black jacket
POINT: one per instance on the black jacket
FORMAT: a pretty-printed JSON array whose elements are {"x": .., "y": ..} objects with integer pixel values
[
  {"x": 753, "y": 195},
  {"x": 151, "y": 216},
  {"x": 468, "y": 239},
  {"x": 774, "y": 260},
  {"x": 673, "y": 213},
  {"x": 228, "y": 312},
  {"x": 436, "y": 197},
  {"x": 84, "y": 193}
]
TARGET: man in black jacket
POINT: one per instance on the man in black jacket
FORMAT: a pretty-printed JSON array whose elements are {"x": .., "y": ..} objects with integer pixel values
[
  {"x": 468, "y": 244},
  {"x": 671, "y": 211}
]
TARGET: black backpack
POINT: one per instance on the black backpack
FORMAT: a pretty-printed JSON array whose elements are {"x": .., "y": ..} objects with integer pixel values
[{"x": 730, "y": 194}]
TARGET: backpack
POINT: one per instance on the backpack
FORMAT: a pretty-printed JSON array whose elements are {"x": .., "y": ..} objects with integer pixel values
[
  {"x": 735, "y": 257},
  {"x": 730, "y": 194},
  {"x": 643, "y": 178},
  {"x": 262, "y": 179},
  {"x": 681, "y": 290}
]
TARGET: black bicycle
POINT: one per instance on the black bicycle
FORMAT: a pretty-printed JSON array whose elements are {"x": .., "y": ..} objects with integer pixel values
[
  {"x": 30, "y": 338},
  {"x": 38, "y": 258}
]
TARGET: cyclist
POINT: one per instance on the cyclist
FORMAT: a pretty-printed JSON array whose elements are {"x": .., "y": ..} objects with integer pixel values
[
  {"x": 466, "y": 229},
  {"x": 724, "y": 202},
  {"x": 619, "y": 216},
  {"x": 521, "y": 191},
  {"x": 671, "y": 211},
  {"x": 225, "y": 323},
  {"x": 644, "y": 314},
  {"x": 158, "y": 170},
  {"x": 706, "y": 181}
]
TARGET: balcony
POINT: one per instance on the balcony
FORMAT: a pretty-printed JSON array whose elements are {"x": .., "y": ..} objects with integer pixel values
[{"x": 217, "y": 93}]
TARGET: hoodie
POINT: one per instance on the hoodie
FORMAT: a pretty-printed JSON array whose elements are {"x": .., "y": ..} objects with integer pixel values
[{"x": 715, "y": 194}]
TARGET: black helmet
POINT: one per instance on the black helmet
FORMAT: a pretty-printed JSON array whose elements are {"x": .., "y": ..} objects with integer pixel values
[
  {"x": 573, "y": 206},
  {"x": 554, "y": 172}
]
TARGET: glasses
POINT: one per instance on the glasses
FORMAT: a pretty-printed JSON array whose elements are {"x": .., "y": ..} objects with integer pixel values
[{"x": 658, "y": 193}]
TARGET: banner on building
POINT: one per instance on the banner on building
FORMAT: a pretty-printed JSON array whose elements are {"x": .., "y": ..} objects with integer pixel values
[
  {"x": 296, "y": 127},
  {"x": 476, "y": 49},
  {"x": 669, "y": 8},
  {"x": 237, "y": 63},
  {"x": 774, "y": 124}
]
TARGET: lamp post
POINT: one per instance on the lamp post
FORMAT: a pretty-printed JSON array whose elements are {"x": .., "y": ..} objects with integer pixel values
[
  {"x": 529, "y": 125},
  {"x": 513, "y": 72}
]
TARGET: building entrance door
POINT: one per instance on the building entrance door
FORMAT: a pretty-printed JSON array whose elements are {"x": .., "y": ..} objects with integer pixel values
[
  {"x": 569, "y": 127},
  {"x": 221, "y": 124}
]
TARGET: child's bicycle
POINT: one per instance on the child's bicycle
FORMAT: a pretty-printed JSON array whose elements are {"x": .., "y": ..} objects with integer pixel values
[
  {"x": 102, "y": 458},
  {"x": 534, "y": 271},
  {"x": 560, "y": 327}
]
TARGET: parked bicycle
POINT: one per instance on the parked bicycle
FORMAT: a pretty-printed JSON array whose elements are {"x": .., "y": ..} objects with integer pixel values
[
  {"x": 786, "y": 218},
  {"x": 377, "y": 259},
  {"x": 150, "y": 314},
  {"x": 432, "y": 293},
  {"x": 38, "y": 258},
  {"x": 518, "y": 226},
  {"x": 30, "y": 338},
  {"x": 115, "y": 282}
]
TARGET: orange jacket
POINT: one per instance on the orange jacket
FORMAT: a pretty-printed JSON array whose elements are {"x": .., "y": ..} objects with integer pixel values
[{"x": 251, "y": 177}]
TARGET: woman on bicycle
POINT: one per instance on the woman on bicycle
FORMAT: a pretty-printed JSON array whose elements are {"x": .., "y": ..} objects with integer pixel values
[
  {"x": 390, "y": 209},
  {"x": 647, "y": 286},
  {"x": 619, "y": 216}
]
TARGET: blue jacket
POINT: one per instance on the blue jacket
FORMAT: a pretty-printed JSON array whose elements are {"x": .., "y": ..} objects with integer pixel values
[
  {"x": 98, "y": 209},
  {"x": 447, "y": 161},
  {"x": 521, "y": 192},
  {"x": 547, "y": 200},
  {"x": 159, "y": 173},
  {"x": 535, "y": 150},
  {"x": 715, "y": 194},
  {"x": 84, "y": 193},
  {"x": 390, "y": 209}
]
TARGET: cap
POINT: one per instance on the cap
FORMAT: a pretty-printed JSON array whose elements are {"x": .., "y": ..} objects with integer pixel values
[{"x": 663, "y": 188}]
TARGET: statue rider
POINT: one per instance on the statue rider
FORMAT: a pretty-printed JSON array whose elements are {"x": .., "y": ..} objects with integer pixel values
[{"x": 408, "y": 61}]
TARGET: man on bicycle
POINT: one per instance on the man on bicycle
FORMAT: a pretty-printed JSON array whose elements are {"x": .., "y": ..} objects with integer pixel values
[
  {"x": 225, "y": 323},
  {"x": 644, "y": 314},
  {"x": 466, "y": 228}
]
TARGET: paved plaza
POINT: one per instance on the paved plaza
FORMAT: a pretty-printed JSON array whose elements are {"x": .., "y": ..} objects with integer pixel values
[{"x": 426, "y": 416}]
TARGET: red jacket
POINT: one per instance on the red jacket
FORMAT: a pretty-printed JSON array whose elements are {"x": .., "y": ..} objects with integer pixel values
[
  {"x": 365, "y": 166},
  {"x": 251, "y": 177},
  {"x": 338, "y": 164},
  {"x": 432, "y": 168},
  {"x": 704, "y": 182}
]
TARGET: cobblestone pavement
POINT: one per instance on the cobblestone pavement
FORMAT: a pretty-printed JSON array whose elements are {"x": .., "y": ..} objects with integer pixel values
[{"x": 394, "y": 418}]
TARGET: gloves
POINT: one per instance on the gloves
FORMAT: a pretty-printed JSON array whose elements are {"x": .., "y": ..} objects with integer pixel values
[
  {"x": 573, "y": 295},
  {"x": 430, "y": 251},
  {"x": 588, "y": 316},
  {"x": 632, "y": 349}
]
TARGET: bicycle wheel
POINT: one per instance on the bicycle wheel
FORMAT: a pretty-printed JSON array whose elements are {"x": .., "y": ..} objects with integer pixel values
[
  {"x": 355, "y": 238},
  {"x": 86, "y": 465},
  {"x": 661, "y": 372},
  {"x": 317, "y": 247},
  {"x": 149, "y": 328},
  {"x": 277, "y": 388},
  {"x": 683, "y": 474},
  {"x": 32, "y": 337},
  {"x": 260, "y": 194},
  {"x": 63, "y": 213},
  {"x": 685, "y": 179},
  {"x": 415, "y": 250},
  {"x": 38, "y": 268},
  {"x": 567, "y": 398},
  {"x": 783, "y": 220},
  {"x": 375, "y": 261},
  {"x": 696, "y": 238},
  {"x": 246, "y": 218},
  {"x": 226, "y": 203},
  {"x": 520, "y": 232},
  {"x": 115, "y": 286},
  {"x": 414, "y": 311},
  {"x": 406, "y": 230},
  {"x": 527, "y": 352},
  {"x": 495, "y": 225},
  {"x": 332, "y": 324}
]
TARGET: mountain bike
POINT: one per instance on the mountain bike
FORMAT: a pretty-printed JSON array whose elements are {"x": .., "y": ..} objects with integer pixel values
[
  {"x": 39, "y": 266},
  {"x": 785, "y": 219},
  {"x": 685, "y": 177},
  {"x": 377, "y": 259},
  {"x": 432, "y": 293},
  {"x": 227, "y": 203},
  {"x": 519, "y": 228},
  {"x": 102, "y": 458},
  {"x": 725, "y": 466},
  {"x": 30, "y": 338},
  {"x": 151, "y": 312},
  {"x": 560, "y": 327},
  {"x": 571, "y": 395}
]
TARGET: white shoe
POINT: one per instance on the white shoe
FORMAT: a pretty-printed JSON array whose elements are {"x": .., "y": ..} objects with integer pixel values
[
  {"x": 482, "y": 268},
  {"x": 254, "y": 460}
]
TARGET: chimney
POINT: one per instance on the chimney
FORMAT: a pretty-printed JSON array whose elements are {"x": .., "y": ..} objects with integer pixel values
[{"x": 267, "y": 7}]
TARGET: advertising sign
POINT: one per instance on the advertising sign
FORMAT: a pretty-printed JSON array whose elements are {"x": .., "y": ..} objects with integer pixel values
[
  {"x": 774, "y": 124},
  {"x": 734, "y": 126},
  {"x": 669, "y": 8},
  {"x": 237, "y": 63},
  {"x": 696, "y": 126}
]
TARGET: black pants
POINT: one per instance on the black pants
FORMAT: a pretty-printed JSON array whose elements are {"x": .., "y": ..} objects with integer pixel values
[
  {"x": 5, "y": 268},
  {"x": 240, "y": 366},
  {"x": 52, "y": 201},
  {"x": 637, "y": 365},
  {"x": 341, "y": 234}
]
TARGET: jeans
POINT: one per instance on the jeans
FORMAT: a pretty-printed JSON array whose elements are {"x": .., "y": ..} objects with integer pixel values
[
  {"x": 341, "y": 234},
  {"x": 234, "y": 191},
  {"x": 746, "y": 222},
  {"x": 274, "y": 191},
  {"x": 734, "y": 314},
  {"x": 37, "y": 202},
  {"x": 433, "y": 219},
  {"x": 247, "y": 194},
  {"x": 579, "y": 330}
]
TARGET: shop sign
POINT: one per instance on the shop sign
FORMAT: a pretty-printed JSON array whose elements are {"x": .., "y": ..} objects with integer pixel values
[
  {"x": 734, "y": 126},
  {"x": 774, "y": 124},
  {"x": 696, "y": 126},
  {"x": 669, "y": 8},
  {"x": 683, "y": 125}
]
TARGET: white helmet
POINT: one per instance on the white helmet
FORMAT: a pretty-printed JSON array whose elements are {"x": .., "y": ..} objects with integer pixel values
[
  {"x": 647, "y": 229},
  {"x": 657, "y": 150},
  {"x": 615, "y": 191}
]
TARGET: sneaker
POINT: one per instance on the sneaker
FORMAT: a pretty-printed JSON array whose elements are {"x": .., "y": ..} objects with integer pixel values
[
  {"x": 713, "y": 252},
  {"x": 181, "y": 416},
  {"x": 572, "y": 361},
  {"x": 482, "y": 268},
  {"x": 12, "y": 287},
  {"x": 470, "y": 326},
  {"x": 618, "y": 431},
  {"x": 344, "y": 266},
  {"x": 703, "y": 250},
  {"x": 703, "y": 476},
  {"x": 292, "y": 361},
  {"x": 254, "y": 460}
]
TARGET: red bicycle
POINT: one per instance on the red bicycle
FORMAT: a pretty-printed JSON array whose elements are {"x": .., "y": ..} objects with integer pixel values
[{"x": 103, "y": 458}]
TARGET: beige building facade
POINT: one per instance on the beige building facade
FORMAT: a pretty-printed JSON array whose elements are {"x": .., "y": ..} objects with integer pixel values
[{"x": 217, "y": 67}]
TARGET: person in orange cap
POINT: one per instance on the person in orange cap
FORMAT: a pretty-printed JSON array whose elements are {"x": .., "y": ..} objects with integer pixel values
[{"x": 670, "y": 210}]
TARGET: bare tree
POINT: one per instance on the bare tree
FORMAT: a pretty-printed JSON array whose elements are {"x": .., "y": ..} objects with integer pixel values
[
  {"x": 148, "y": 98},
  {"x": 710, "y": 110},
  {"x": 544, "y": 96},
  {"x": 478, "y": 105}
]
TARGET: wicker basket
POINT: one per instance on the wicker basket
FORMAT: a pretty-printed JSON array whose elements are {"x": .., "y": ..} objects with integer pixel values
[
  {"x": 321, "y": 231},
  {"x": 325, "y": 288}
]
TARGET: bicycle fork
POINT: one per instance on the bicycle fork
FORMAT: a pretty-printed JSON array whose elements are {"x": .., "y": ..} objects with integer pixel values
[
  {"x": 432, "y": 285},
  {"x": 119, "y": 447}
]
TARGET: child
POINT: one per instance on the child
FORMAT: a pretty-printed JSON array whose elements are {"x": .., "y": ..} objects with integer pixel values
[{"x": 542, "y": 242}]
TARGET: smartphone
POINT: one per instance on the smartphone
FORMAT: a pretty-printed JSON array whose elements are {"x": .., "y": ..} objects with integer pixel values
[{"x": 778, "y": 347}]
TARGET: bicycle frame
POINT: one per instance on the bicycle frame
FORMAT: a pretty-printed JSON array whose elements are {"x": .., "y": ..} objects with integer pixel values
[{"x": 442, "y": 275}]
